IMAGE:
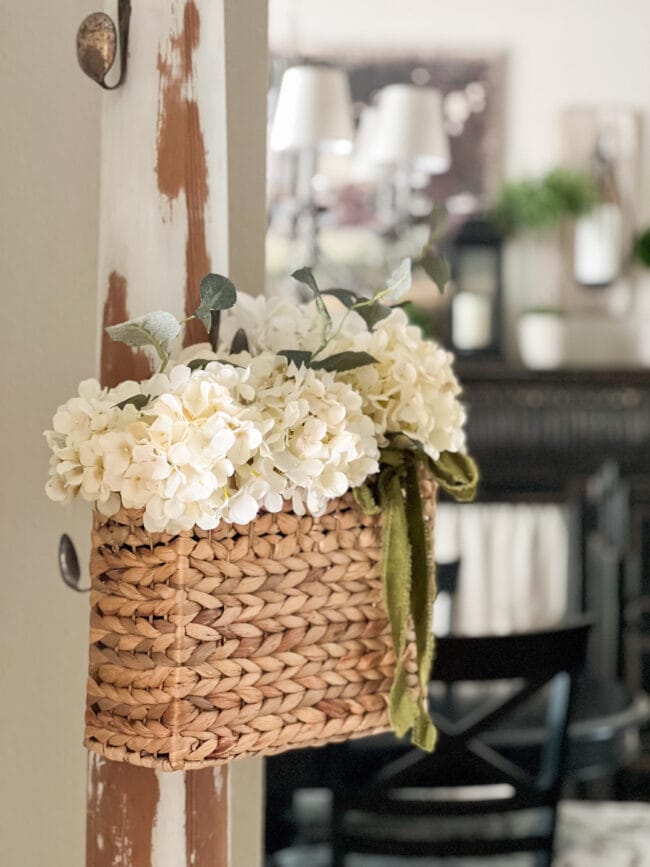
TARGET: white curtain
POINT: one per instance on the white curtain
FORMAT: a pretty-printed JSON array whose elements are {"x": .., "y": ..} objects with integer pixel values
[{"x": 514, "y": 565}]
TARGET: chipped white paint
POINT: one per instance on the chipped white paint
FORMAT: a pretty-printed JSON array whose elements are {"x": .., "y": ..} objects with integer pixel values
[
  {"x": 218, "y": 779},
  {"x": 168, "y": 844},
  {"x": 93, "y": 767},
  {"x": 143, "y": 233}
]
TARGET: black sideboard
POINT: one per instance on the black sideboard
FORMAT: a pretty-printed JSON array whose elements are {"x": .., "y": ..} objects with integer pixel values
[{"x": 533, "y": 433}]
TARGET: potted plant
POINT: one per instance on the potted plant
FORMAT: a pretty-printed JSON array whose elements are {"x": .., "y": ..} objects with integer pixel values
[{"x": 537, "y": 211}]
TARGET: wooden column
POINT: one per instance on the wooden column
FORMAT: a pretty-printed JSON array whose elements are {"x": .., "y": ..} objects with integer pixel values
[{"x": 183, "y": 174}]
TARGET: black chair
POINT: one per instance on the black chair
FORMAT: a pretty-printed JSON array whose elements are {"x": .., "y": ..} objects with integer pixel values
[{"x": 411, "y": 807}]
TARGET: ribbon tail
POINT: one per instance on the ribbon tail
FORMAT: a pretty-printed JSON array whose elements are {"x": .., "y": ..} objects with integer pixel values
[
  {"x": 407, "y": 564},
  {"x": 421, "y": 598},
  {"x": 396, "y": 577}
]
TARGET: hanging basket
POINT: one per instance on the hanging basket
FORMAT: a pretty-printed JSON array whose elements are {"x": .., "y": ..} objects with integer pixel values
[{"x": 245, "y": 640}]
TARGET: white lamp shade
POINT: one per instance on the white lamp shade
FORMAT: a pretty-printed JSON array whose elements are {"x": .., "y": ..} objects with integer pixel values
[
  {"x": 365, "y": 167},
  {"x": 314, "y": 110},
  {"x": 410, "y": 129}
]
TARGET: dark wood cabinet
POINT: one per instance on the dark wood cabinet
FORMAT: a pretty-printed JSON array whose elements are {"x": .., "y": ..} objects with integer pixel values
[{"x": 534, "y": 433}]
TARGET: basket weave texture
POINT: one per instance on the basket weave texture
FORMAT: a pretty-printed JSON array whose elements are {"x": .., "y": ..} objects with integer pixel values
[{"x": 241, "y": 641}]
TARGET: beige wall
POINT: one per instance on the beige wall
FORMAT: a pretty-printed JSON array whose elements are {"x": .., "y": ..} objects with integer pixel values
[{"x": 49, "y": 140}]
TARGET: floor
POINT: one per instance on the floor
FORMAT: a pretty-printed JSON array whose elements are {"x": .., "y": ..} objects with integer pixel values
[{"x": 590, "y": 834}]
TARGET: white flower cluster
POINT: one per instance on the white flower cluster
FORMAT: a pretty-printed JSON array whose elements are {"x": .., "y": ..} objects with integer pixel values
[
  {"x": 250, "y": 431},
  {"x": 411, "y": 389},
  {"x": 317, "y": 442},
  {"x": 213, "y": 444}
]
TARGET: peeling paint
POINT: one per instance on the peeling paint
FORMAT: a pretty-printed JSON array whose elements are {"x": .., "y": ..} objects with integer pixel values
[
  {"x": 181, "y": 165},
  {"x": 217, "y": 772},
  {"x": 207, "y": 817},
  {"x": 168, "y": 846},
  {"x": 121, "y": 811},
  {"x": 119, "y": 361}
]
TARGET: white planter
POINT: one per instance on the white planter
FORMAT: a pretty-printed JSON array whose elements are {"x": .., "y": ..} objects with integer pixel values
[
  {"x": 542, "y": 340},
  {"x": 598, "y": 246},
  {"x": 643, "y": 316},
  {"x": 471, "y": 321}
]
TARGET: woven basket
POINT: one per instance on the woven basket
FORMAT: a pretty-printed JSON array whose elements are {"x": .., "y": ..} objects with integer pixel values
[{"x": 246, "y": 640}]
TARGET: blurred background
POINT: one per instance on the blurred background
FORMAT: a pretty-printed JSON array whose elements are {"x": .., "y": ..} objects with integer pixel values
[
  {"x": 522, "y": 129},
  {"x": 505, "y": 149}
]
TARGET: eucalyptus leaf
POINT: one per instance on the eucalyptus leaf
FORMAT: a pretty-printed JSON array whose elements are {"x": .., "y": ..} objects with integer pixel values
[
  {"x": 239, "y": 342},
  {"x": 437, "y": 269},
  {"x": 373, "y": 313},
  {"x": 306, "y": 276},
  {"x": 139, "y": 401},
  {"x": 202, "y": 363},
  {"x": 153, "y": 329},
  {"x": 299, "y": 357},
  {"x": 437, "y": 222},
  {"x": 344, "y": 361},
  {"x": 345, "y": 296},
  {"x": 199, "y": 363},
  {"x": 399, "y": 283},
  {"x": 217, "y": 293}
]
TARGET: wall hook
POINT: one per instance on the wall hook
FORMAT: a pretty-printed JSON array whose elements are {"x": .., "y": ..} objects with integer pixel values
[
  {"x": 69, "y": 564},
  {"x": 97, "y": 41}
]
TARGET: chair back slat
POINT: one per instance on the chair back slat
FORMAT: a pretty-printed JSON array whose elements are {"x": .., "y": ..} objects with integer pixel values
[{"x": 416, "y": 785}]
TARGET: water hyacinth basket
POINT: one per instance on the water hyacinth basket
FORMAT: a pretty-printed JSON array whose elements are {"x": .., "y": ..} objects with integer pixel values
[{"x": 244, "y": 640}]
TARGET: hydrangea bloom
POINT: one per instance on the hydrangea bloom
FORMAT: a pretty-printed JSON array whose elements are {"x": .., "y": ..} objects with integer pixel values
[
  {"x": 317, "y": 442},
  {"x": 271, "y": 324},
  {"x": 411, "y": 389},
  {"x": 175, "y": 458},
  {"x": 75, "y": 466},
  {"x": 252, "y": 431},
  {"x": 214, "y": 444}
]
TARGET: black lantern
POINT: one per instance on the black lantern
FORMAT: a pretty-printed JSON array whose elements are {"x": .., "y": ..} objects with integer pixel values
[{"x": 476, "y": 303}]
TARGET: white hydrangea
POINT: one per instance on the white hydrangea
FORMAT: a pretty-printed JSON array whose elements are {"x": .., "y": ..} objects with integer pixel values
[
  {"x": 271, "y": 324},
  {"x": 411, "y": 389},
  {"x": 252, "y": 431},
  {"x": 175, "y": 458},
  {"x": 75, "y": 466},
  {"x": 214, "y": 444},
  {"x": 183, "y": 456},
  {"x": 317, "y": 442}
]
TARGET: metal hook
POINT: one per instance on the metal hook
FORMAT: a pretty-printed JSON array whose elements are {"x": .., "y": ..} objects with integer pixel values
[
  {"x": 97, "y": 40},
  {"x": 69, "y": 564}
]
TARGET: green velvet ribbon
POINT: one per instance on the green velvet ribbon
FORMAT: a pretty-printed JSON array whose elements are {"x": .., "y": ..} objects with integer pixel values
[{"x": 408, "y": 569}]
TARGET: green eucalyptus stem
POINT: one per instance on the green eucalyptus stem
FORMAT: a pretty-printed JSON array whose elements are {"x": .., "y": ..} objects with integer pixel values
[{"x": 215, "y": 325}]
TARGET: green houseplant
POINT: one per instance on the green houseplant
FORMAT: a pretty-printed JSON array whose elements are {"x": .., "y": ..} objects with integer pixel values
[{"x": 537, "y": 212}]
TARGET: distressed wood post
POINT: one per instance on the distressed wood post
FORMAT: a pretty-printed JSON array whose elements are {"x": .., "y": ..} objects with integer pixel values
[{"x": 182, "y": 174}]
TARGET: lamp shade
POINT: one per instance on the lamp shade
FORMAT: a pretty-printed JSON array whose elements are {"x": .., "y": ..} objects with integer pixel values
[
  {"x": 314, "y": 110},
  {"x": 365, "y": 167},
  {"x": 410, "y": 129}
]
